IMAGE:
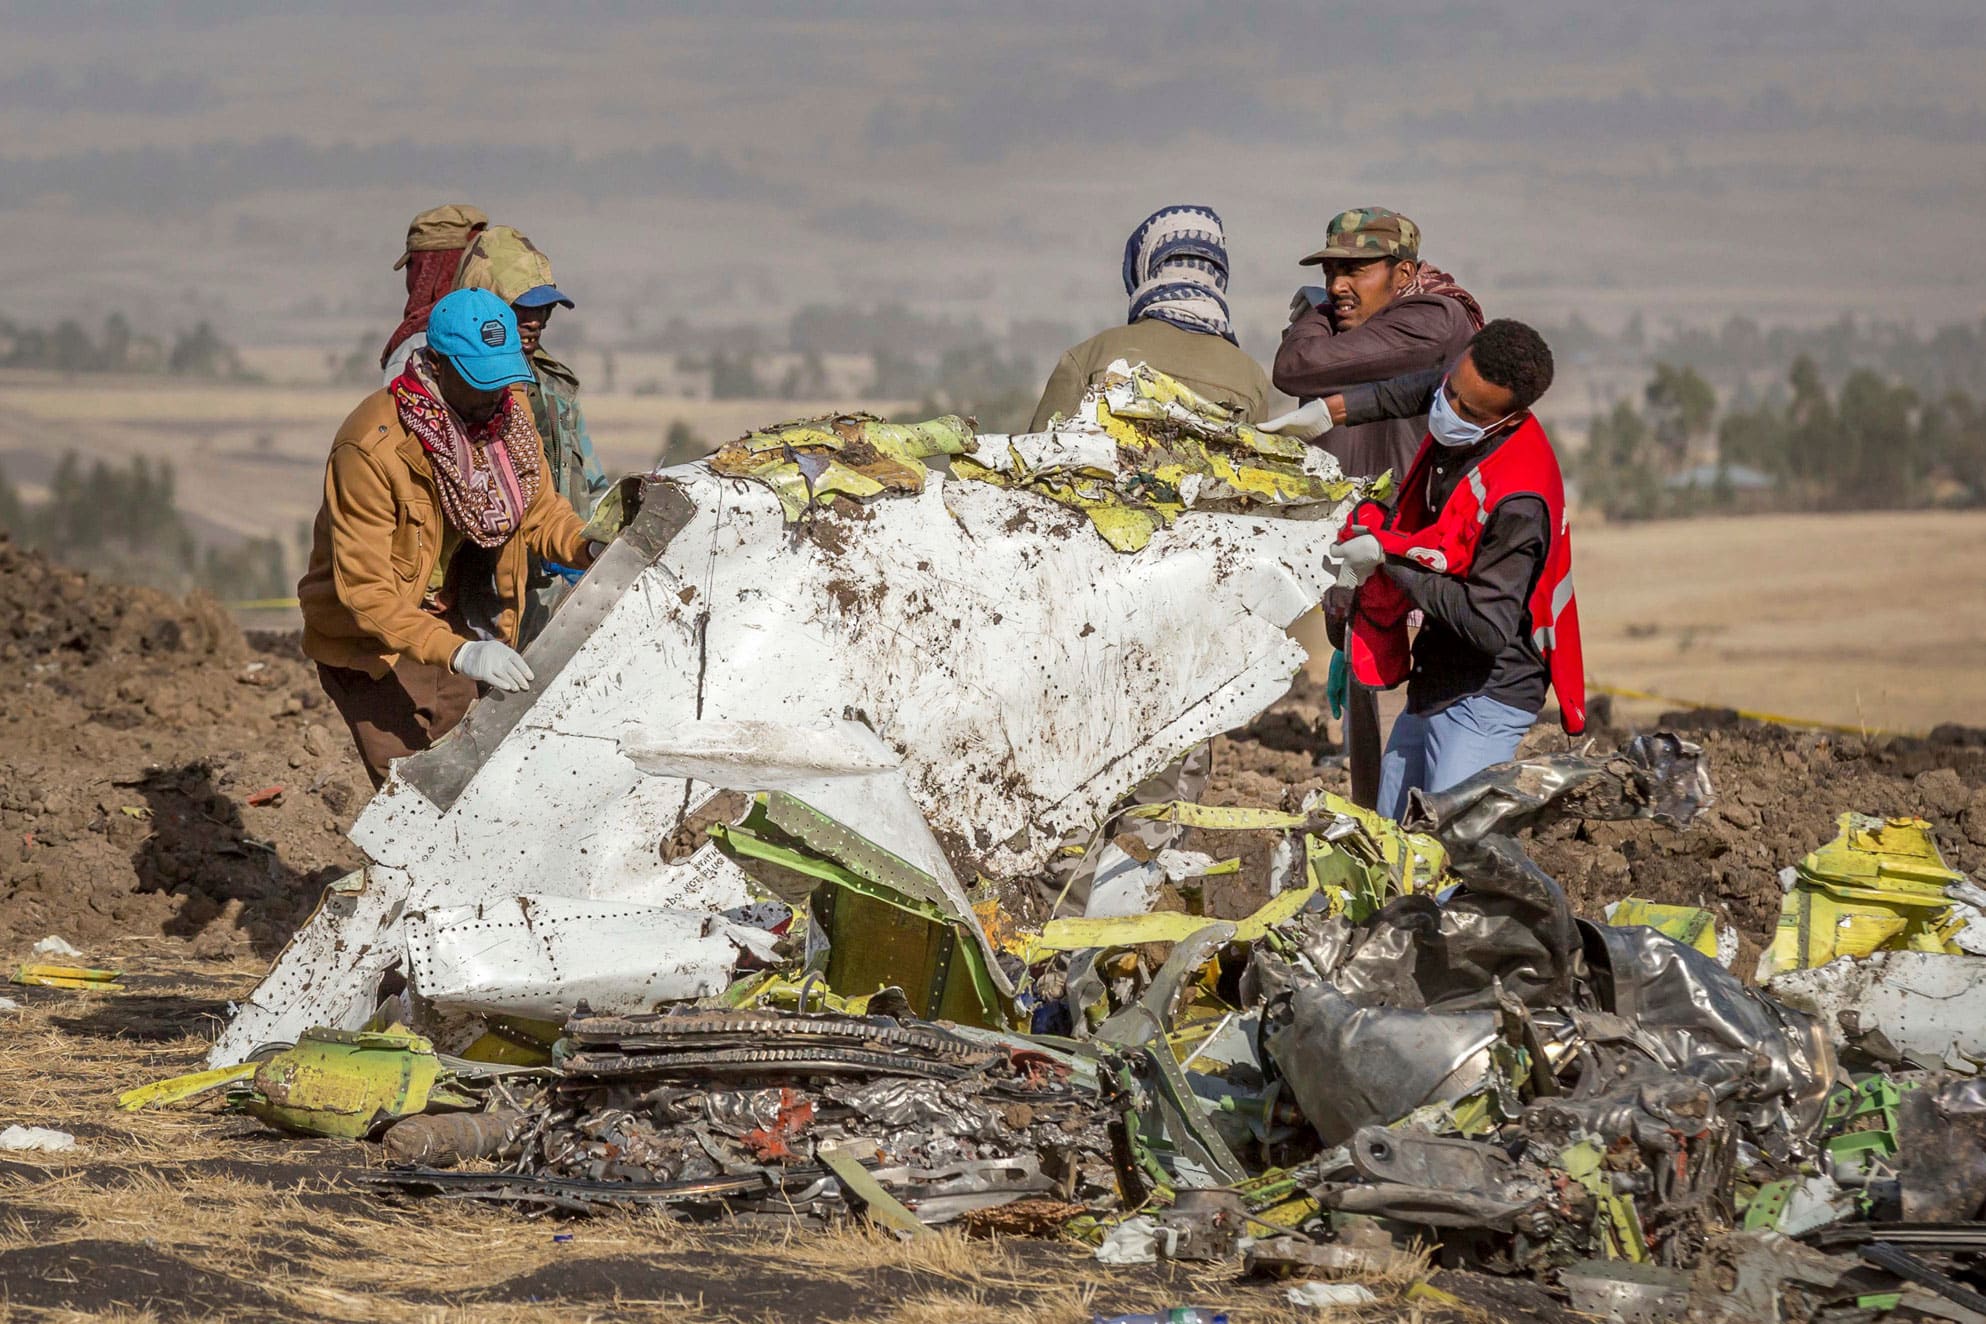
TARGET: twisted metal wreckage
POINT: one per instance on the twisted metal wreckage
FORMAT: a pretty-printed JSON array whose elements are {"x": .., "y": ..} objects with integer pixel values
[{"x": 722, "y": 915}]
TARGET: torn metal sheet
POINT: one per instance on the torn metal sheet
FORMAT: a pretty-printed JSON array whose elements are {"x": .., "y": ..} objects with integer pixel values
[
  {"x": 1925, "y": 1009},
  {"x": 1773, "y": 1063},
  {"x": 1763, "y": 1278},
  {"x": 843, "y": 772},
  {"x": 1022, "y": 674},
  {"x": 1350, "y": 1066},
  {"x": 1692, "y": 926},
  {"x": 542, "y": 956}
]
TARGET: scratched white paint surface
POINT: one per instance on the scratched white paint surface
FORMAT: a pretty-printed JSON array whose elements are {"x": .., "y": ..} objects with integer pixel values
[{"x": 1022, "y": 674}]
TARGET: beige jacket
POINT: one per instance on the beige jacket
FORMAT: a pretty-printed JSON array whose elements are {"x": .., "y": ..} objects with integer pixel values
[
  {"x": 378, "y": 539},
  {"x": 1208, "y": 364}
]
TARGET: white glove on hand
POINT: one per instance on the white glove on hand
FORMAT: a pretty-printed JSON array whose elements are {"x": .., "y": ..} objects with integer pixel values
[
  {"x": 492, "y": 662},
  {"x": 1358, "y": 558},
  {"x": 1307, "y": 423}
]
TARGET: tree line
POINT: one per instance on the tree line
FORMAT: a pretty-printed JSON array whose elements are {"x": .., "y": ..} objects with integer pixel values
[
  {"x": 1875, "y": 443},
  {"x": 123, "y": 522},
  {"x": 68, "y": 346}
]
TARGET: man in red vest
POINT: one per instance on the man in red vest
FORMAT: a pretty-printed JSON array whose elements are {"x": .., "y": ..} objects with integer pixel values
[{"x": 1477, "y": 540}]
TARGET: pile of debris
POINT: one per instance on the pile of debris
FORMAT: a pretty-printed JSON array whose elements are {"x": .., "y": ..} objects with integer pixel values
[{"x": 799, "y": 939}]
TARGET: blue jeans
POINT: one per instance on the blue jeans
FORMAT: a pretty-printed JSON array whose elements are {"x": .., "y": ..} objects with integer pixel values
[{"x": 1437, "y": 750}]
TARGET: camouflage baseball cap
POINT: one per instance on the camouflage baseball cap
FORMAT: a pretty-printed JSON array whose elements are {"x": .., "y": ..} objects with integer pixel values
[
  {"x": 1368, "y": 232},
  {"x": 504, "y": 262},
  {"x": 440, "y": 229}
]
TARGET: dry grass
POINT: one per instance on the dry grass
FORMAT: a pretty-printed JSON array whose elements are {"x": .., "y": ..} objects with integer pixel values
[{"x": 191, "y": 1213}]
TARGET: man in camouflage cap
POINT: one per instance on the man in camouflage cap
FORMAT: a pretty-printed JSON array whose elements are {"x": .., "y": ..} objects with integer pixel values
[
  {"x": 500, "y": 259},
  {"x": 1368, "y": 232},
  {"x": 1382, "y": 312}
]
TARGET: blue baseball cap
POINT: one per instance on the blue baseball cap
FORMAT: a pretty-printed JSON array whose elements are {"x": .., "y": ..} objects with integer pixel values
[
  {"x": 477, "y": 333},
  {"x": 540, "y": 295}
]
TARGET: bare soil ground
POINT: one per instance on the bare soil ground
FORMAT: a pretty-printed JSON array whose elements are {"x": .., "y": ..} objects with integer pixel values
[{"x": 161, "y": 775}]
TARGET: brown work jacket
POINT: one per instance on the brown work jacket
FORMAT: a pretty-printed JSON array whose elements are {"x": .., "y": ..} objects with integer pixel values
[
  {"x": 378, "y": 539},
  {"x": 1407, "y": 335},
  {"x": 1210, "y": 365}
]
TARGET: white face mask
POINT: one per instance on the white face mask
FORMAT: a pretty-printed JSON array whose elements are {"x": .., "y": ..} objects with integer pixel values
[{"x": 1450, "y": 429}]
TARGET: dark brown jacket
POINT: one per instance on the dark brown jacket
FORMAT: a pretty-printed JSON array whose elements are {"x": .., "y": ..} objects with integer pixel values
[
  {"x": 1407, "y": 335},
  {"x": 378, "y": 539}
]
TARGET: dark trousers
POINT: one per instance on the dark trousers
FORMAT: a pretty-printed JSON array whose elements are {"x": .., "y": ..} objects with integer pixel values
[{"x": 400, "y": 713}]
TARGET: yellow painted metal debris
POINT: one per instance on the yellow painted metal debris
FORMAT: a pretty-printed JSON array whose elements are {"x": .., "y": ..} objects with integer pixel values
[
  {"x": 1879, "y": 886},
  {"x": 513, "y": 1041},
  {"x": 70, "y": 976},
  {"x": 1074, "y": 934},
  {"x": 181, "y": 1088},
  {"x": 1174, "y": 449},
  {"x": 1691, "y": 926},
  {"x": 853, "y": 455},
  {"x": 1358, "y": 859},
  {"x": 345, "y": 1082}
]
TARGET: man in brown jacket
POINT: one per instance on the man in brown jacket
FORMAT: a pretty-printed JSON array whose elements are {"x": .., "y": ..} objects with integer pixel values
[
  {"x": 436, "y": 495},
  {"x": 1175, "y": 272},
  {"x": 1382, "y": 312}
]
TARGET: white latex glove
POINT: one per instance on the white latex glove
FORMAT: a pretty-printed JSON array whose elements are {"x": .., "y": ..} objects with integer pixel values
[
  {"x": 1305, "y": 423},
  {"x": 1358, "y": 558},
  {"x": 493, "y": 662}
]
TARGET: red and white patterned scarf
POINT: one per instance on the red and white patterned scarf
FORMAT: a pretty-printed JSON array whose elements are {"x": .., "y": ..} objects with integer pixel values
[
  {"x": 488, "y": 474},
  {"x": 1430, "y": 279}
]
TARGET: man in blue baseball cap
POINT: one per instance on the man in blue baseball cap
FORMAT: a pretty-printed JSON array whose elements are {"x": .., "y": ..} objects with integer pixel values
[
  {"x": 501, "y": 260},
  {"x": 436, "y": 498}
]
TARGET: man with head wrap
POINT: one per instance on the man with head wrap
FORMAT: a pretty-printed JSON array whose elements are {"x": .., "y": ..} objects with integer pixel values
[
  {"x": 504, "y": 262},
  {"x": 435, "y": 240},
  {"x": 1175, "y": 272}
]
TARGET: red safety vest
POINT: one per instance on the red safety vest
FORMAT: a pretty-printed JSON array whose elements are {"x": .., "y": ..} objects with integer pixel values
[{"x": 1445, "y": 543}]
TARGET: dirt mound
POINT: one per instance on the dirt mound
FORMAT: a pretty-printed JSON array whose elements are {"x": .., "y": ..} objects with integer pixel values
[
  {"x": 138, "y": 730},
  {"x": 1779, "y": 792}
]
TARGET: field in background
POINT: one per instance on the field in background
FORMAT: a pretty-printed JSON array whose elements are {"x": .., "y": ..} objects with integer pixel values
[
  {"x": 1864, "y": 619},
  {"x": 250, "y": 459}
]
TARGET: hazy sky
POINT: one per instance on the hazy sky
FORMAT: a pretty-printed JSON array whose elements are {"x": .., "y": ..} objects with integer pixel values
[{"x": 258, "y": 162}]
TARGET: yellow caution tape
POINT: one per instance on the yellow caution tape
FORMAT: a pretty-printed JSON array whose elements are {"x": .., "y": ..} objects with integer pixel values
[
  {"x": 1776, "y": 719},
  {"x": 261, "y": 604}
]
